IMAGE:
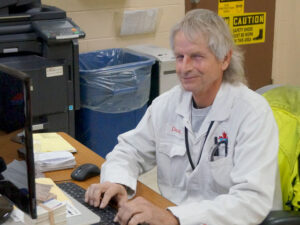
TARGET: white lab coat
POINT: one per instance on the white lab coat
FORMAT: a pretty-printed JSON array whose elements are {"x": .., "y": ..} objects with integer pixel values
[{"x": 237, "y": 189}]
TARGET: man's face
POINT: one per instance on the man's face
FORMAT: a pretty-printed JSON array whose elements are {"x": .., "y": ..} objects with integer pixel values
[{"x": 198, "y": 69}]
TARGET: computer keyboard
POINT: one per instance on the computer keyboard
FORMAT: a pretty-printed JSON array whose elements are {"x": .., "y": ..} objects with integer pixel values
[{"x": 107, "y": 214}]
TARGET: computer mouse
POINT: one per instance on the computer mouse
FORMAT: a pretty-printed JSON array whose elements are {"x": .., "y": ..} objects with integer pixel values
[{"x": 85, "y": 171}]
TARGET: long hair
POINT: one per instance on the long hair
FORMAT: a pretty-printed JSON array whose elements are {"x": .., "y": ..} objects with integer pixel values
[{"x": 219, "y": 39}]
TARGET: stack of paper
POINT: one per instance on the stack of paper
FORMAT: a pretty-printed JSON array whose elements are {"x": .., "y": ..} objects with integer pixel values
[
  {"x": 61, "y": 207},
  {"x": 49, "y": 212},
  {"x": 60, "y": 195},
  {"x": 54, "y": 161},
  {"x": 55, "y": 190},
  {"x": 42, "y": 192},
  {"x": 50, "y": 142}
]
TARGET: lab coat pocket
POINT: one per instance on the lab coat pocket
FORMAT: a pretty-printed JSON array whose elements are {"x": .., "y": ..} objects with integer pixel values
[
  {"x": 171, "y": 164},
  {"x": 221, "y": 169}
]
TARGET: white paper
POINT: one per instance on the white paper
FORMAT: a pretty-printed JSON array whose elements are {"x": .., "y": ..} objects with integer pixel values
[
  {"x": 16, "y": 172},
  {"x": 52, "y": 156},
  {"x": 50, "y": 161},
  {"x": 139, "y": 21},
  {"x": 17, "y": 215}
]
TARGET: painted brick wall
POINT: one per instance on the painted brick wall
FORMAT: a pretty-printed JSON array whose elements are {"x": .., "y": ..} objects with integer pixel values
[{"x": 98, "y": 19}]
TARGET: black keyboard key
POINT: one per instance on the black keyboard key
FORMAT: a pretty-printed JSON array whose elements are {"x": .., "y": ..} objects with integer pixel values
[{"x": 107, "y": 215}]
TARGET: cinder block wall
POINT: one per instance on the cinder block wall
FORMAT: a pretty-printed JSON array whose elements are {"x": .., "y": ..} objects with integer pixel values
[
  {"x": 98, "y": 19},
  {"x": 286, "y": 51}
]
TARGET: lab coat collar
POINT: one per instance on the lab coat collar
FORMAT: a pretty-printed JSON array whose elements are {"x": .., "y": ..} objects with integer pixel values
[
  {"x": 223, "y": 102},
  {"x": 184, "y": 107},
  {"x": 221, "y": 106}
]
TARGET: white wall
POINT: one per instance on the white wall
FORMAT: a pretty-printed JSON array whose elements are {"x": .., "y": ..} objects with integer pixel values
[
  {"x": 98, "y": 19},
  {"x": 286, "y": 52}
]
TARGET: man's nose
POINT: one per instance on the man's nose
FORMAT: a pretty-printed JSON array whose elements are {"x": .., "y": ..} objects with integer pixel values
[{"x": 187, "y": 64}]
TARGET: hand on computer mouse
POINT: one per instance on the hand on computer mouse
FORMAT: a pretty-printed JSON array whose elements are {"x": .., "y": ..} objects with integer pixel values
[{"x": 85, "y": 171}]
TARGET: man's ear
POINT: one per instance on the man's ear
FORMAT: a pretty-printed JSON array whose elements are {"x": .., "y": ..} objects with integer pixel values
[{"x": 226, "y": 60}]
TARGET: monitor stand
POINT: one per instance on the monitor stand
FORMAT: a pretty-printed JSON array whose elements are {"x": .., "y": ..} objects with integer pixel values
[{"x": 6, "y": 208}]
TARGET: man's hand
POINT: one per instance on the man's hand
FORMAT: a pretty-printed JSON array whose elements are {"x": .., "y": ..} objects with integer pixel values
[
  {"x": 99, "y": 195},
  {"x": 140, "y": 211}
]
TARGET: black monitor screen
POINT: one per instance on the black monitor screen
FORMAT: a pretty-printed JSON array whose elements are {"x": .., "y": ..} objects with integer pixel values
[{"x": 17, "y": 176}]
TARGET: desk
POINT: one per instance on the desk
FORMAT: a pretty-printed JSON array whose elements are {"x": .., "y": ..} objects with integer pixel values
[{"x": 83, "y": 155}]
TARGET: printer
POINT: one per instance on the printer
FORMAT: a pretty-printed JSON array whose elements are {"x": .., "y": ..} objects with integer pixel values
[{"x": 41, "y": 41}]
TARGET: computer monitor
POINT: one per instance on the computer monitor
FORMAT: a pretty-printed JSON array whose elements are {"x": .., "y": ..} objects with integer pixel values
[{"x": 16, "y": 121}]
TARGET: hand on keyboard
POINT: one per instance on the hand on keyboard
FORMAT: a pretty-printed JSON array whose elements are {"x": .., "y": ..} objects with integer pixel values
[
  {"x": 101, "y": 194},
  {"x": 107, "y": 214},
  {"x": 141, "y": 211},
  {"x": 145, "y": 209}
]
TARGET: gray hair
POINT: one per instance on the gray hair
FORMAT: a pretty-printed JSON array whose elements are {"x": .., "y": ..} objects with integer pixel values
[{"x": 219, "y": 39}]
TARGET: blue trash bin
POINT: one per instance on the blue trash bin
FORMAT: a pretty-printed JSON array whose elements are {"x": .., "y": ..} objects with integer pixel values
[{"x": 114, "y": 90}]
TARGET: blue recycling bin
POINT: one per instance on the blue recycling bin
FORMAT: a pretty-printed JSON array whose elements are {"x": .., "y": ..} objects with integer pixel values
[{"x": 114, "y": 90}]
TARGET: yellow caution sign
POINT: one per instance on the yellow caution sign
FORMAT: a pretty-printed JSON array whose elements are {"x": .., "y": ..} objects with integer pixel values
[
  {"x": 230, "y": 7},
  {"x": 247, "y": 28},
  {"x": 245, "y": 20}
]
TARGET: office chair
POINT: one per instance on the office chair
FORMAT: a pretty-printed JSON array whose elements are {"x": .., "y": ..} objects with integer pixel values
[{"x": 285, "y": 104}]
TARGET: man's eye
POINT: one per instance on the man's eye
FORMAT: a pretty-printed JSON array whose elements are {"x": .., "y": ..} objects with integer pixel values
[
  {"x": 179, "y": 57},
  {"x": 198, "y": 56}
]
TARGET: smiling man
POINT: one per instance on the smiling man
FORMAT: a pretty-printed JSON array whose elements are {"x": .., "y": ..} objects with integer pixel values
[{"x": 214, "y": 141}]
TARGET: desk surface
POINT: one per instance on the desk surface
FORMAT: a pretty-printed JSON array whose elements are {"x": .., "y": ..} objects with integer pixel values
[{"x": 83, "y": 155}]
